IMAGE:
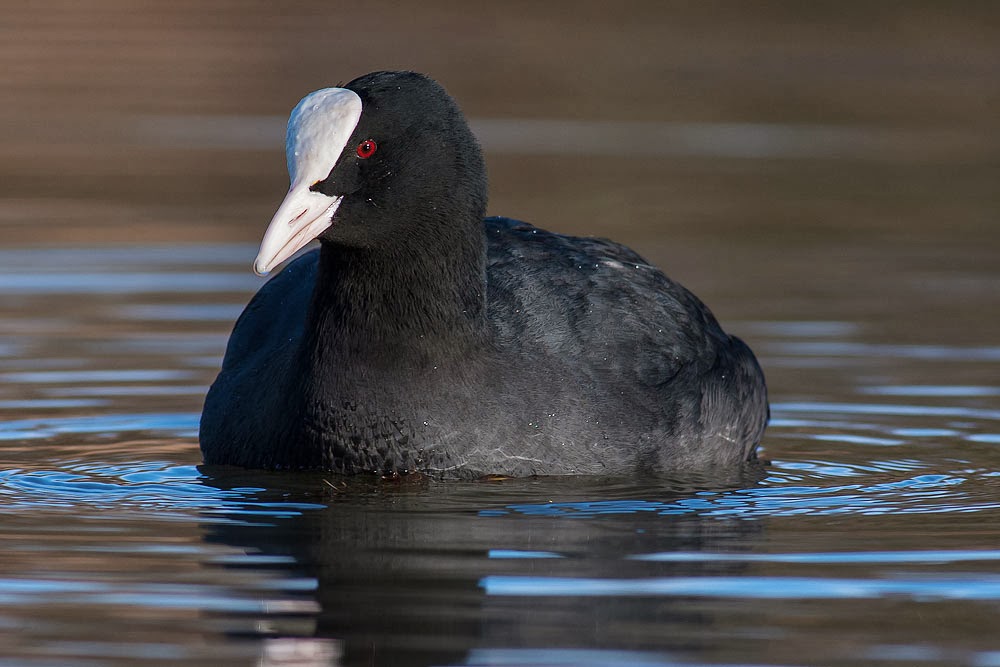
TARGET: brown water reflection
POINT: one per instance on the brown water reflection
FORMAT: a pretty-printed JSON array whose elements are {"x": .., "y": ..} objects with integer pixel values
[{"x": 106, "y": 105}]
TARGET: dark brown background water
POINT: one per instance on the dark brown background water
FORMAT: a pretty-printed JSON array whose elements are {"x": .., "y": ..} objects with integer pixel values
[{"x": 824, "y": 175}]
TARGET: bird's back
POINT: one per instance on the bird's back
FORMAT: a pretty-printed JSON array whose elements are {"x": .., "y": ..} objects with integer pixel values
[{"x": 649, "y": 356}]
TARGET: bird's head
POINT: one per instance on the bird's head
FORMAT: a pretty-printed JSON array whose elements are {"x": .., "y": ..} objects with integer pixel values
[{"x": 387, "y": 156}]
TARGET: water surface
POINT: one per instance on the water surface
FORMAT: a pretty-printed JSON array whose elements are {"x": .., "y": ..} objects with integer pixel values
[
  {"x": 824, "y": 178},
  {"x": 871, "y": 537}
]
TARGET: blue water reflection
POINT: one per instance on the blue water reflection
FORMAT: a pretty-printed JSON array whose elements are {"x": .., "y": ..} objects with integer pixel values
[
  {"x": 926, "y": 588},
  {"x": 881, "y": 490}
]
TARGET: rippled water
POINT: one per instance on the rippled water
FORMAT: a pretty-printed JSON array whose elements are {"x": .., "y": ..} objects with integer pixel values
[
  {"x": 824, "y": 175},
  {"x": 871, "y": 538}
]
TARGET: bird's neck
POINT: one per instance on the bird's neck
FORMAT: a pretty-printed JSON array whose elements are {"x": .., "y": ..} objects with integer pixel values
[{"x": 411, "y": 299}]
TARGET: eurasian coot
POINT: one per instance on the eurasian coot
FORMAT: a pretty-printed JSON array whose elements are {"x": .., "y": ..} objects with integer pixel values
[{"x": 421, "y": 337}]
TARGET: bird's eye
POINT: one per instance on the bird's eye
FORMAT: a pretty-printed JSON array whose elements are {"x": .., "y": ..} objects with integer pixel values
[{"x": 366, "y": 149}]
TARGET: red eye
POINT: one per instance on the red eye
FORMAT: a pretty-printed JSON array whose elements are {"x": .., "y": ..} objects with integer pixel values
[{"x": 366, "y": 149}]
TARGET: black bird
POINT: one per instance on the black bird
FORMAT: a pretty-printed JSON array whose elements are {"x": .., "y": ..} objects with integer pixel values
[{"x": 421, "y": 337}]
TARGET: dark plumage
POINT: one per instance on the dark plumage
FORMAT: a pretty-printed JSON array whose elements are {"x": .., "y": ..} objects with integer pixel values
[{"x": 420, "y": 337}]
